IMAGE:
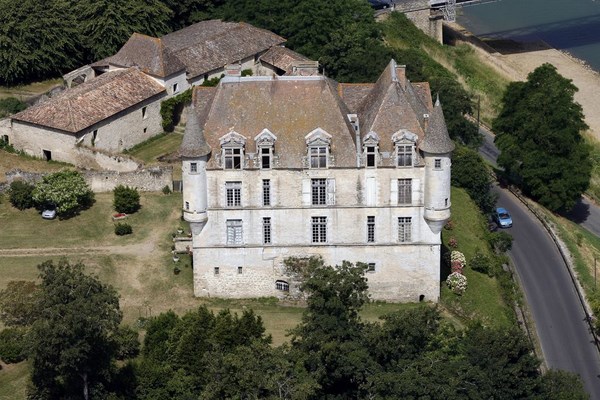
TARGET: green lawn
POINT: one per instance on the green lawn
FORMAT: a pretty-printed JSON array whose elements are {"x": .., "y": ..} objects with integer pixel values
[
  {"x": 483, "y": 299},
  {"x": 157, "y": 146},
  {"x": 13, "y": 381}
]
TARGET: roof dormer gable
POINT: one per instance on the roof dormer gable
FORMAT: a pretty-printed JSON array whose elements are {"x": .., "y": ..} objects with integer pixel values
[
  {"x": 318, "y": 137},
  {"x": 403, "y": 136},
  {"x": 371, "y": 139},
  {"x": 232, "y": 139},
  {"x": 265, "y": 138}
]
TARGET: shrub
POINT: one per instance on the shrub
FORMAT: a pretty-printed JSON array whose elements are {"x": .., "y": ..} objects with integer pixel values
[
  {"x": 126, "y": 199},
  {"x": 21, "y": 194},
  {"x": 452, "y": 242},
  {"x": 501, "y": 242},
  {"x": 457, "y": 282},
  {"x": 123, "y": 228},
  {"x": 246, "y": 72},
  {"x": 481, "y": 263},
  {"x": 457, "y": 261},
  {"x": 67, "y": 190},
  {"x": 166, "y": 190},
  {"x": 11, "y": 105},
  {"x": 169, "y": 108},
  {"x": 13, "y": 346}
]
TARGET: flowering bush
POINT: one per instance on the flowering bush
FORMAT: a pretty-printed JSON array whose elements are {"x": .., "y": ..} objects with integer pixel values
[
  {"x": 457, "y": 261},
  {"x": 449, "y": 225},
  {"x": 452, "y": 242},
  {"x": 457, "y": 282}
]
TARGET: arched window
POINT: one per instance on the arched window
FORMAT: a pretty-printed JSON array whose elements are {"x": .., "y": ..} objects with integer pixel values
[{"x": 282, "y": 285}]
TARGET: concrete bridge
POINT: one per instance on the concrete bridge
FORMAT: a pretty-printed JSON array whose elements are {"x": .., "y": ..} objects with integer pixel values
[{"x": 446, "y": 7}]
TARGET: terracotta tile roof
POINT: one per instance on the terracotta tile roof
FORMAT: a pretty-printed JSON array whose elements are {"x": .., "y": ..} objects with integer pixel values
[
  {"x": 91, "y": 102},
  {"x": 148, "y": 53},
  {"x": 209, "y": 45},
  {"x": 282, "y": 58},
  {"x": 290, "y": 108}
]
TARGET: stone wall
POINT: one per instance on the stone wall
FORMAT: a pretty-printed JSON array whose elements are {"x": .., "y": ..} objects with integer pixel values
[{"x": 145, "y": 180}]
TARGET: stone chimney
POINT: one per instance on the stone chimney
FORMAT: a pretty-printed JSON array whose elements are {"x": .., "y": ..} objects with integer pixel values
[
  {"x": 425, "y": 122},
  {"x": 305, "y": 68}
]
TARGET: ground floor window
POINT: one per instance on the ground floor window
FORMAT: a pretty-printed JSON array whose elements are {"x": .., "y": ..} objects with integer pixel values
[{"x": 282, "y": 285}]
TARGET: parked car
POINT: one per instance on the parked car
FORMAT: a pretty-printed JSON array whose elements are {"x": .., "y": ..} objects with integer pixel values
[
  {"x": 503, "y": 218},
  {"x": 49, "y": 213},
  {"x": 380, "y": 4}
]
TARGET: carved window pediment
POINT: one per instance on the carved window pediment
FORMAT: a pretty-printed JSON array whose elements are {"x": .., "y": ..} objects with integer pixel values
[
  {"x": 318, "y": 137},
  {"x": 371, "y": 139},
  {"x": 265, "y": 138},
  {"x": 404, "y": 136},
  {"x": 232, "y": 139}
]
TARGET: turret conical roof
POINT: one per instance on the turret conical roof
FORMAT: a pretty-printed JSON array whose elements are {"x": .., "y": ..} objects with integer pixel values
[
  {"x": 193, "y": 144},
  {"x": 437, "y": 140}
]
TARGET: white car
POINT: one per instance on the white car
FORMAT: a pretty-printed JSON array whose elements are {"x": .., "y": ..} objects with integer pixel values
[{"x": 49, "y": 213}]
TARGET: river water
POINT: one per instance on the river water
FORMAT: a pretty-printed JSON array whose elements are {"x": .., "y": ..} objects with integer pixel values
[{"x": 569, "y": 25}]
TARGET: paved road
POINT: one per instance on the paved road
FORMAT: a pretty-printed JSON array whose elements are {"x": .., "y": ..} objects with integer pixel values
[{"x": 564, "y": 335}]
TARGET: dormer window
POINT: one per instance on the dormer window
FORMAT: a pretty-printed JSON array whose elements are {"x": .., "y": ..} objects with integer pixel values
[
  {"x": 371, "y": 149},
  {"x": 318, "y": 142},
  {"x": 232, "y": 146},
  {"x": 404, "y": 142},
  {"x": 265, "y": 143}
]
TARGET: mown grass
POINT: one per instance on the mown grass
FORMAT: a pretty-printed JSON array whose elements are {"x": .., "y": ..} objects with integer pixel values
[
  {"x": 483, "y": 299},
  {"x": 92, "y": 227},
  {"x": 13, "y": 381},
  {"x": 25, "y": 92},
  {"x": 155, "y": 147}
]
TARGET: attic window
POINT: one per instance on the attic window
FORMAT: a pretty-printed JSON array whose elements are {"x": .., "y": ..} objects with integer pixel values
[
  {"x": 232, "y": 145},
  {"x": 318, "y": 156},
  {"x": 371, "y": 155},
  {"x": 233, "y": 158},
  {"x": 404, "y": 154},
  {"x": 371, "y": 149},
  {"x": 265, "y": 143},
  {"x": 404, "y": 142},
  {"x": 318, "y": 143}
]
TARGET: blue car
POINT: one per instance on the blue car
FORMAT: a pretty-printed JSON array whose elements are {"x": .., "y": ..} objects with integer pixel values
[{"x": 503, "y": 218}]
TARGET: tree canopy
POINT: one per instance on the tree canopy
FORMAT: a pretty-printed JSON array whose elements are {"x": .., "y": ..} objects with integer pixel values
[
  {"x": 538, "y": 133},
  {"x": 67, "y": 190}
]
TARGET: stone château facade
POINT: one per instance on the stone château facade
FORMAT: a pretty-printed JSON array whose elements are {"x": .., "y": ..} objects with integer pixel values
[{"x": 300, "y": 165}]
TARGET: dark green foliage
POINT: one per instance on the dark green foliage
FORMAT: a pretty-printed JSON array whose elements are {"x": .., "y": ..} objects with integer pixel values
[
  {"x": 157, "y": 335},
  {"x": 11, "y": 105},
  {"x": 72, "y": 344},
  {"x": 470, "y": 172},
  {"x": 170, "y": 109},
  {"x": 187, "y": 12},
  {"x": 21, "y": 194},
  {"x": 18, "y": 303},
  {"x": 538, "y": 134},
  {"x": 67, "y": 190},
  {"x": 13, "y": 345},
  {"x": 126, "y": 199},
  {"x": 501, "y": 242},
  {"x": 212, "y": 82},
  {"x": 246, "y": 72},
  {"x": 481, "y": 263},
  {"x": 37, "y": 39},
  {"x": 167, "y": 190},
  {"x": 123, "y": 228},
  {"x": 561, "y": 385},
  {"x": 127, "y": 343}
]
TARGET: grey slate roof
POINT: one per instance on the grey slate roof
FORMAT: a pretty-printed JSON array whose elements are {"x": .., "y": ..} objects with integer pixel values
[
  {"x": 91, "y": 102},
  {"x": 209, "y": 45},
  {"x": 437, "y": 140},
  {"x": 193, "y": 144},
  {"x": 282, "y": 58},
  {"x": 148, "y": 53}
]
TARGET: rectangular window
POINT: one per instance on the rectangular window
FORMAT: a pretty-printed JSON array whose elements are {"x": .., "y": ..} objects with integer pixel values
[
  {"x": 216, "y": 270},
  {"x": 233, "y": 194},
  {"x": 404, "y": 155},
  {"x": 318, "y": 157},
  {"x": 371, "y": 152},
  {"x": 319, "y": 191},
  {"x": 187, "y": 205},
  {"x": 193, "y": 167},
  {"x": 234, "y": 231},
  {"x": 319, "y": 229},
  {"x": 404, "y": 229},
  {"x": 266, "y": 230},
  {"x": 265, "y": 157},
  {"x": 404, "y": 191},
  {"x": 144, "y": 112},
  {"x": 233, "y": 158},
  {"x": 94, "y": 137},
  {"x": 371, "y": 229},
  {"x": 240, "y": 270},
  {"x": 175, "y": 88},
  {"x": 266, "y": 191},
  {"x": 437, "y": 163},
  {"x": 371, "y": 267}
]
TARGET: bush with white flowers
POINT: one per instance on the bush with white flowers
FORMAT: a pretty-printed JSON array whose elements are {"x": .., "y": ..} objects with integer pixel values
[
  {"x": 457, "y": 282},
  {"x": 457, "y": 261}
]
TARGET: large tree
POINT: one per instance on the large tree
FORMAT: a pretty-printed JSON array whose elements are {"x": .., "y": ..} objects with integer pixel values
[
  {"x": 470, "y": 172},
  {"x": 73, "y": 338},
  {"x": 538, "y": 132}
]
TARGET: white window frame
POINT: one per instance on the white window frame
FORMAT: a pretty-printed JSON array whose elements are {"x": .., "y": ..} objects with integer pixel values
[
  {"x": 404, "y": 155},
  {"x": 322, "y": 191},
  {"x": 319, "y": 229},
  {"x": 267, "y": 230},
  {"x": 437, "y": 163},
  {"x": 266, "y": 192},
  {"x": 370, "y": 229},
  {"x": 371, "y": 152},
  {"x": 282, "y": 286},
  {"x": 265, "y": 153},
  {"x": 230, "y": 155},
  {"x": 234, "y": 232},
  {"x": 404, "y": 191},
  {"x": 193, "y": 168},
  {"x": 233, "y": 194},
  {"x": 404, "y": 229},
  {"x": 318, "y": 156}
]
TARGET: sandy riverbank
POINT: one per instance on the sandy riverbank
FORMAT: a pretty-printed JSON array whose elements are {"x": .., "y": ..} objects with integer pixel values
[{"x": 516, "y": 60}]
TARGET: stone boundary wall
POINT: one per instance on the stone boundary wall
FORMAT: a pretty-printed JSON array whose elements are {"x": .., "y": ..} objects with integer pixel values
[
  {"x": 151, "y": 179},
  {"x": 99, "y": 159}
]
